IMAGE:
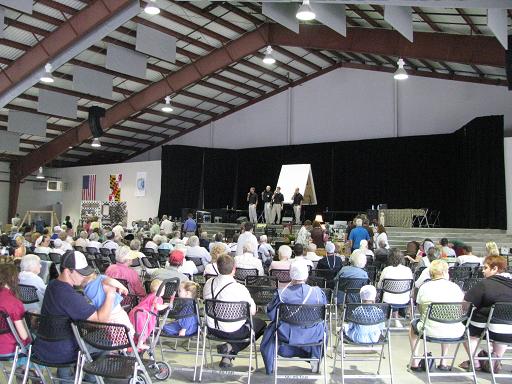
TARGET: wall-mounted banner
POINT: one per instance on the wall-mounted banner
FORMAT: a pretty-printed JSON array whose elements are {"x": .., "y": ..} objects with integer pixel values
[
  {"x": 140, "y": 187},
  {"x": 115, "y": 187}
]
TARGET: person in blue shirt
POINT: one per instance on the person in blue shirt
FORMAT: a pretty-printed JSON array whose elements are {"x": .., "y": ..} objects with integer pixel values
[
  {"x": 353, "y": 271},
  {"x": 188, "y": 324},
  {"x": 189, "y": 226},
  {"x": 357, "y": 234},
  {"x": 360, "y": 333},
  {"x": 296, "y": 292}
]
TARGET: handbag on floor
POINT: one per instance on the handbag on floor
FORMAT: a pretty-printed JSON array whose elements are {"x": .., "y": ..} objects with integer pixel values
[
  {"x": 431, "y": 363},
  {"x": 484, "y": 364}
]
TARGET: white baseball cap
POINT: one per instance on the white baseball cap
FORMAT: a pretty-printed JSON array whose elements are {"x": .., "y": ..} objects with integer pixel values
[{"x": 75, "y": 260}]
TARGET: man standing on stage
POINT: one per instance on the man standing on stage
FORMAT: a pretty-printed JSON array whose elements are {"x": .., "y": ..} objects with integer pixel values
[
  {"x": 252, "y": 199},
  {"x": 297, "y": 205},
  {"x": 277, "y": 206},
  {"x": 266, "y": 196}
]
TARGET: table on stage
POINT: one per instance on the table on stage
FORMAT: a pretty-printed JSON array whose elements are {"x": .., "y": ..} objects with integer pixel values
[{"x": 401, "y": 217}]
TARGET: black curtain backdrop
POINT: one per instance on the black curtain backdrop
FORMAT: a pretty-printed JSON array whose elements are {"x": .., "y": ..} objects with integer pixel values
[{"x": 462, "y": 174}]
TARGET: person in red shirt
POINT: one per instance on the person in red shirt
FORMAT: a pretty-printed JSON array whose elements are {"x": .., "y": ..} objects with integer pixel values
[
  {"x": 12, "y": 306},
  {"x": 122, "y": 270}
]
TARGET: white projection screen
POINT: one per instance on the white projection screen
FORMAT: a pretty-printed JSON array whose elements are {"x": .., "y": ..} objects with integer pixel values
[{"x": 297, "y": 176}]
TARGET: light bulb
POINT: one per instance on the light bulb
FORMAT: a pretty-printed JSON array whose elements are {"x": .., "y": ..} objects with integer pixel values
[
  {"x": 96, "y": 143},
  {"x": 305, "y": 12},
  {"x": 152, "y": 9},
  {"x": 167, "y": 106},
  {"x": 269, "y": 59},
  {"x": 47, "y": 77},
  {"x": 400, "y": 73}
]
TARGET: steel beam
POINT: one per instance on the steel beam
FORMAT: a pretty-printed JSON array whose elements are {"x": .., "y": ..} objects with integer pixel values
[{"x": 479, "y": 50}]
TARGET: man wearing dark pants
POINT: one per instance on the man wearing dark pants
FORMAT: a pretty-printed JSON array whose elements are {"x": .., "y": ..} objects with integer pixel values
[
  {"x": 277, "y": 205},
  {"x": 225, "y": 288},
  {"x": 252, "y": 199},
  {"x": 297, "y": 205},
  {"x": 266, "y": 197}
]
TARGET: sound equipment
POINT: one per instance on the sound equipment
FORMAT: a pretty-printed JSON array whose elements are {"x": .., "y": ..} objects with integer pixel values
[
  {"x": 508, "y": 62},
  {"x": 242, "y": 219},
  {"x": 373, "y": 215},
  {"x": 95, "y": 114},
  {"x": 203, "y": 217}
]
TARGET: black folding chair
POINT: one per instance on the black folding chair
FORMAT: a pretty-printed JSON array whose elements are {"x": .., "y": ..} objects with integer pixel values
[
  {"x": 445, "y": 313},
  {"x": 242, "y": 273},
  {"x": 328, "y": 274},
  {"x": 43, "y": 256},
  {"x": 170, "y": 288},
  {"x": 343, "y": 284},
  {"x": 129, "y": 302},
  {"x": 198, "y": 262},
  {"x": 55, "y": 257},
  {"x": 226, "y": 311},
  {"x": 460, "y": 273},
  {"x": 28, "y": 294},
  {"x": 282, "y": 275},
  {"x": 301, "y": 315},
  {"x": 92, "y": 251},
  {"x": 262, "y": 296},
  {"x": 261, "y": 281},
  {"x": 316, "y": 281},
  {"x": 370, "y": 315},
  {"x": 150, "y": 262},
  {"x": 397, "y": 287},
  {"x": 149, "y": 252}
]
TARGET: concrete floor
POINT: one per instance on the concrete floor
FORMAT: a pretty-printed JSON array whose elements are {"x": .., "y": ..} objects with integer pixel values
[{"x": 182, "y": 369}]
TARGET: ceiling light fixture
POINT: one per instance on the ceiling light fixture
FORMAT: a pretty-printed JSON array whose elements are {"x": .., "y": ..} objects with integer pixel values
[
  {"x": 305, "y": 12},
  {"x": 151, "y": 8},
  {"x": 96, "y": 143},
  {"x": 269, "y": 58},
  {"x": 40, "y": 174},
  {"x": 47, "y": 77},
  {"x": 400, "y": 73},
  {"x": 167, "y": 107}
]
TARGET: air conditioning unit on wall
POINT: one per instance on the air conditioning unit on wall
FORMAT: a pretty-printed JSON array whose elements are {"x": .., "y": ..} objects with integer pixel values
[{"x": 54, "y": 186}]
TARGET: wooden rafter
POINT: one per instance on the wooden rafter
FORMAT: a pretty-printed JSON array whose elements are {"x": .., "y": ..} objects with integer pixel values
[
  {"x": 426, "y": 18},
  {"x": 469, "y": 22}
]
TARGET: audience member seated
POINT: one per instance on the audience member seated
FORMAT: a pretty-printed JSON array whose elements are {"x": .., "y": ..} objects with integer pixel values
[
  {"x": 421, "y": 258},
  {"x": 304, "y": 235},
  {"x": 57, "y": 247},
  {"x": 433, "y": 254},
  {"x": 225, "y": 288},
  {"x": 216, "y": 250},
  {"x": 360, "y": 333},
  {"x": 93, "y": 241},
  {"x": 110, "y": 243},
  {"x": 382, "y": 236},
  {"x": 363, "y": 246},
  {"x": 438, "y": 290},
  {"x": 491, "y": 249},
  {"x": 357, "y": 234},
  {"x": 468, "y": 256},
  {"x": 30, "y": 267},
  {"x": 330, "y": 261},
  {"x": 171, "y": 269},
  {"x": 13, "y": 307},
  {"x": 43, "y": 244},
  {"x": 300, "y": 254},
  {"x": 166, "y": 225},
  {"x": 311, "y": 252},
  {"x": 265, "y": 251},
  {"x": 447, "y": 248},
  {"x": 395, "y": 270},
  {"x": 188, "y": 267},
  {"x": 122, "y": 270},
  {"x": 247, "y": 237},
  {"x": 233, "y": 244},
  {"x": 204, "y": 241},
  {"x": 496, "y": 287},
  {"x": 82, "y": 240},
  {"x": 248, "y": 261},
  {"x": 56, "y": 230},
  {"x": 61, "y": 299},
  {"x": 381, "y": 255},
  {"x": 353, "y": 271},
  {"x": 317, "y": 235},
  {"x": 20, "y": 250},
  {"x": 285, "y": 253},
  {"x": 194, "y": 250},
  {"x": 164, "y": 244},
  {"x": 66, "y": 241},
  {"x": 297, "y": 292},
  {"x": 176, "y": 238},
  {"x": 185, "y": 324},
  {"x": 218, "y": 239},
  {"x": 118, "y": 230}
]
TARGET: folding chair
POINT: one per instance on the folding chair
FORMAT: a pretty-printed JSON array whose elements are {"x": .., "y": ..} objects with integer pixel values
[
  {"x": 79, "y": 248},
  {"x": 397, "y": 287},
  {"x": 328, "y": 274},
  {"x": 302, "y": 315},
  {"x": 282, "y": 275},
  {"x": 92, "y": 251},
  {"x": 262, "y": 297},
  {"x": 170, "y": 287},
  {"x": 49, "y": 328},
  {"x": 55, "y": 257},
  {"x": 460, "y": 273},
  {"x": 108, "y": 337},
  {"x": 500, "y": 317},
  {"x": 150, "y": 262},
  {"x": 181, "y": 308},
  {"x": 149, "y": 252},
  {"x": 105, "y": 252},
  {"x": 28, "y": 294},
  {"x": 261, "y": 281},
  {"x": 208, "y": 276},
  {"x": 21, "y": 351},
  {"x": 445, "y": 313},
  {"x": 129, "y": 302},
  {"x": 371, "y": 270},
  {"x": 316, "y": 281},
  {"x": 163, "y": 256},
  {"x": 198, "y": 262},
  {"x": 368, "y": 315},
  {"x": 43, "y": 256},
  {"x": 225, "y": 311},
  {"x": 343, "y": 284},
  {"x": 433, "y": 218},
  {"x": 242, "y": 273}
]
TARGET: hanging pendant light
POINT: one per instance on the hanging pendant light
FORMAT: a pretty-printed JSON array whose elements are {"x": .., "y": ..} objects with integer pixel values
[
  {"x": 47, "y": 77},
  {"x": 401, "y": 73},
  {"x": 151, "y": 8},
  {"x": 305, "y": 12},
  {"x": 167, "y": 106},
  {"x": 269, "y": 58},
  {"x": 40, "y": 174}
]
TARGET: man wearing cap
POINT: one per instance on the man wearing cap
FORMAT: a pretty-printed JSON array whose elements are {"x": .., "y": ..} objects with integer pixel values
[
  {"x": 297, "y": 292},
  {"x": 122, "y": 270},
  {"x": 61, "y": 299},
  {"x": 171, "y": 270},
  {"x": 56, "y": 230}
]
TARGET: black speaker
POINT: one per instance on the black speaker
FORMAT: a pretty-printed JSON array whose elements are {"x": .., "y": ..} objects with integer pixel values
[
  {"x": 95, "y": 113},
  {"x": 508, "y": 62}
]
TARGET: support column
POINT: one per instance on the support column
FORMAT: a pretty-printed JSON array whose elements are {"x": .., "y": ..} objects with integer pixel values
[{"x": 14, "y": 190}]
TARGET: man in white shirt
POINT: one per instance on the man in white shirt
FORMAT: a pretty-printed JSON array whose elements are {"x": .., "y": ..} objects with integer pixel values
[
  {"x": 218, "y": 239},
  {"x": 438, "y": 290},
  {"x": 110, "y": 243},
  {"x": 311, "y": 254},
  {"x": 303, "y": 236},
  {"x": 225, "y": 288},
  {"x": 118, "y": 230},
  {"x": 247, "y": 237},
  {"x": 194, "y": 250},
  {"x": 447, "y": 250},
  {"x": 248, "y": 261},
  {"x": 468, "y": 256},
  {"x": 93, "y": 241},
  {"x": 166, "y": 225}
]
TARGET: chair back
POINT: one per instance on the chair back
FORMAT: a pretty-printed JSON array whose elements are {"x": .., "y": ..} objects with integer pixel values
[
  {"x": 55, "y": 257},
  {"x": 470, "y": 283},
  {"x": 7, "y": 327},
  {"x": 366, "y": 314},
  {"x": 371, "y": 271},
  {"x": 170, "y": 287},
  {"x": 344, "y": 283},
  {"x": 79, "y": 248},
  {"x": 92, "y": 250},
  {"x": 129, "y": 302},
  {"x": 262, "y": 295},
  {"x": 150, "y": 262},
  {"x": 282, "y": 275},
  {"x": 227, "y": 311},
  {"x": 242, "y": 273},
  {"x": 197, "y": 261},
  {"x": 397, "y": 286},
  {"x": 136, "y": 262},
  {"x": 104, "y": 336},
  {"x": 305, "y": 315},
  {"x": 105, "y": 252},
  {"x": 316, "y": 281},
  {"x": 418, "y": 272},
  {"x": 209, "y": 276},
  {"x": 449, "y": 313},
  {"x": 328, "y": 294},
  {"x": 28, "y": 294},
  {"x": 183, "y": 308},
  {"x": 501, "y": 313},
  {"x": 328, "y": 274},
  {"x": 150, "y": 252},
  {"x": 261, "y": 281},
  {"x": 49, "y": 327},
  {"x": 460, "y": 273},
  {"x": 42, "y": 256}
]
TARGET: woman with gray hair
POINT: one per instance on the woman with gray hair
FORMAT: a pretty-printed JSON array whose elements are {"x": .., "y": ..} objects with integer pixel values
[
  {"x": 82, "y": 240},
  {"x": 122, "y": 270},
  {"x": 93, "y": 241},
  {"x": 30, "y": 267},
  {"x": 353, "y": 271},
  {"x": 194, "y": 250}
]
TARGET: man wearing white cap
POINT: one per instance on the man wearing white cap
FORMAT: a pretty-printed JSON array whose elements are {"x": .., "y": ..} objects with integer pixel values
[
  {"x": 296, "y": 292},
  {"x": 61, "y": 299}
]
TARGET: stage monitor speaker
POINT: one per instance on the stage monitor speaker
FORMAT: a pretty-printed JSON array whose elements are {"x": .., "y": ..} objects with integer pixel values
[
  {"x": 242, "y": 219},
  {"x": 287, "y": 220},
  {"x": 508, "y": 62},
  {"x": 95, "y": 114}
]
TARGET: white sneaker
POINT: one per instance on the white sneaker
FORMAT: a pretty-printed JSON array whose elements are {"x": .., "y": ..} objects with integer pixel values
[
  {"x": 315, "y": 366},
  {"x": 398, "y": 324}
]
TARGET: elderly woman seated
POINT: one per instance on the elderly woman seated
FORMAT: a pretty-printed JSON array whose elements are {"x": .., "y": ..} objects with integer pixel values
[
  {"x": 438, "y": 290},
  {"x": 297, "y": 292},
  {"x": 122, "y": 270},
  {"x": 30, "y": 268},
  {"x": 353, "y": 271}
]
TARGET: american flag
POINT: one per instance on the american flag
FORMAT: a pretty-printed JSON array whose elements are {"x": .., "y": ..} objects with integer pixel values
[{"x": 89, "y": 187}]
